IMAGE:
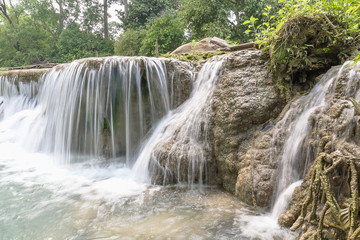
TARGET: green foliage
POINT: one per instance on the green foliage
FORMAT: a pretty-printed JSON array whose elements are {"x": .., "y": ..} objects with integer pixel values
[
  {"x": 339, "y": 16},
  {"x": 36, "y": 31},
  {"x": 221, "y": 18},
  {"x": 33, "y": 32},
  {"x": 92, "y": 16},
  {"x": 28, "y": 39},
  {"x": 264, "y": 29},
  {"x": 167, "y": 31},
  {"x": 74, "y": 43},
  {"x": 206, "y": 18},
  {"x": 129, "y": 43},
  {"x": 142, "y": 12},
  {"x": 302, "y": 32}
]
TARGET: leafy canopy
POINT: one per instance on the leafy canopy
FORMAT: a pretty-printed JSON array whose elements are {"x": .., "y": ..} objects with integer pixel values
[{"x": 167, "y": 31}]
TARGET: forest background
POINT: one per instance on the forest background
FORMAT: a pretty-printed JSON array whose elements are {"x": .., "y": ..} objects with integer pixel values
[{"x": 57, "y": 31}]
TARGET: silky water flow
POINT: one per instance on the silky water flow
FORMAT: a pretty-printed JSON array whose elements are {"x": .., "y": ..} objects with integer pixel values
[
  {"x": 77, "y": 145},
  {"x": 294, "y": 158},
  {"x": 76, "y": 148}
]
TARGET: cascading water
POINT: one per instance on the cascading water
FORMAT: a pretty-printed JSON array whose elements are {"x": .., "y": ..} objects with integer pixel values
[
  {"x": 16, "y": 96},
  {"x": 100, "y": 117},
  {"x": 187, "y": 131},
  {"x": 92, "y": 116},
  {"x": 95, "y": 112},
  {"x": 294, "y": 158}
]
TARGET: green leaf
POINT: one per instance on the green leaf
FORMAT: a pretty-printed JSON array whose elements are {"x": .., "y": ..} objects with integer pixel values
[{"x": 253, "y": 19}]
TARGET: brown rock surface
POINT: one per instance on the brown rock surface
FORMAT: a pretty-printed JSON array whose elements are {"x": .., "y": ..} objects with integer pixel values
[
  {"x": 245, "y": 101},
  {"x": 205, "y": 45},
  {"x": 25, "y": 75}
]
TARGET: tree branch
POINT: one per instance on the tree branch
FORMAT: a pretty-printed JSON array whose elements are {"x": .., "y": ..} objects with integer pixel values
[{"x": 4, "y": 11}]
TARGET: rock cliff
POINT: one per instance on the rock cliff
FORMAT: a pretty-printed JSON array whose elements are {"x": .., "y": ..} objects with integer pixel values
[{"x": 244, "y": 104}]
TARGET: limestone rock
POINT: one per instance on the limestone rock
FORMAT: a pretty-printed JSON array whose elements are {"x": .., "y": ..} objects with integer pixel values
[
  {"x": 180, "y": 79},
  {"x": 205, "y": 45},
  {"x": 245, "y": 100},
  {"x": 238, "y": 155},
  {"x": 25, "y": 75}
]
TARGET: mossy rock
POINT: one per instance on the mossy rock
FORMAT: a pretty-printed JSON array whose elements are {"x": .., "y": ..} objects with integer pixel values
[
  {"x": 194, "y": 56},
  {"x": 27, "y": 75},
  {"x": 305, "y": 47}
]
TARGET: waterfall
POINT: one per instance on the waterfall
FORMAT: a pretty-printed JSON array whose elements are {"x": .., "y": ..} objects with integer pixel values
[
  {"x": 92, "y": 108},
  {"x": 294, "y": 158},
  {"x": 186, "y": 130},
  {"x": 291, "y": 149},
  {"x": 16, "y": 96},
  {"x": 117, "y": 111}
]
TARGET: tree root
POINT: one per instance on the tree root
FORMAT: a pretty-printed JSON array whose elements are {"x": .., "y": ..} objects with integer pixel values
[
  {"x": 310, "y": 234},
  {"x": 354, "y": 197},
  {"x": 355, "y": 234},
  {"x": 321, "y": 191},
  {"x": 356, "y": 106},
  {"x": 321, "y": 221}
]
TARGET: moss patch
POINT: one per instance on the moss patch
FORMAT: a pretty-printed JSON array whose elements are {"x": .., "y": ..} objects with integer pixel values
[
  {"x": 25, "y": 75},
  {"x": 194, "y": 56},
  {"x": 306, "y": 46}
]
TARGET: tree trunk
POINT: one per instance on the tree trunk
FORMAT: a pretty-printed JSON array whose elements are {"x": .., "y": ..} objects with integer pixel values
[
  {"x": 156, "y": 48},
  {"x": 3, "y": 10},
  {"x": 106, "y": 20},
  {"x": 126, "y": 9},
  {"x": 62, "y": 14}
]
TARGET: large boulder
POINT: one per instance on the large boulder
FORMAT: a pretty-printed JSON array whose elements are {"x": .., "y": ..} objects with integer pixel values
[
  {"x": 245, "y": 102},
  {"x": 237, "y": 151},
  {"x": 205, "y": 45}
]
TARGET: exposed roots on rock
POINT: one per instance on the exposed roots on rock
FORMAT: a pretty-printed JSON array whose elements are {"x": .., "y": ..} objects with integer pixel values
[
  {"x": 356, "y": 106},
  {"x": 327, "y": 209},
  {"x": 310, "y": 234}
]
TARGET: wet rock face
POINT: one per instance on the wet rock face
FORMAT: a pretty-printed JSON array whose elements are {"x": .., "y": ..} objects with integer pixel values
[
  {"x": 335, "y": 134},
  {"x": 183, "y": 151},
  {"x": 180, "y": 77},
  {"x": 27, "y": 75},
  {"x": 245, "y": 100}
]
